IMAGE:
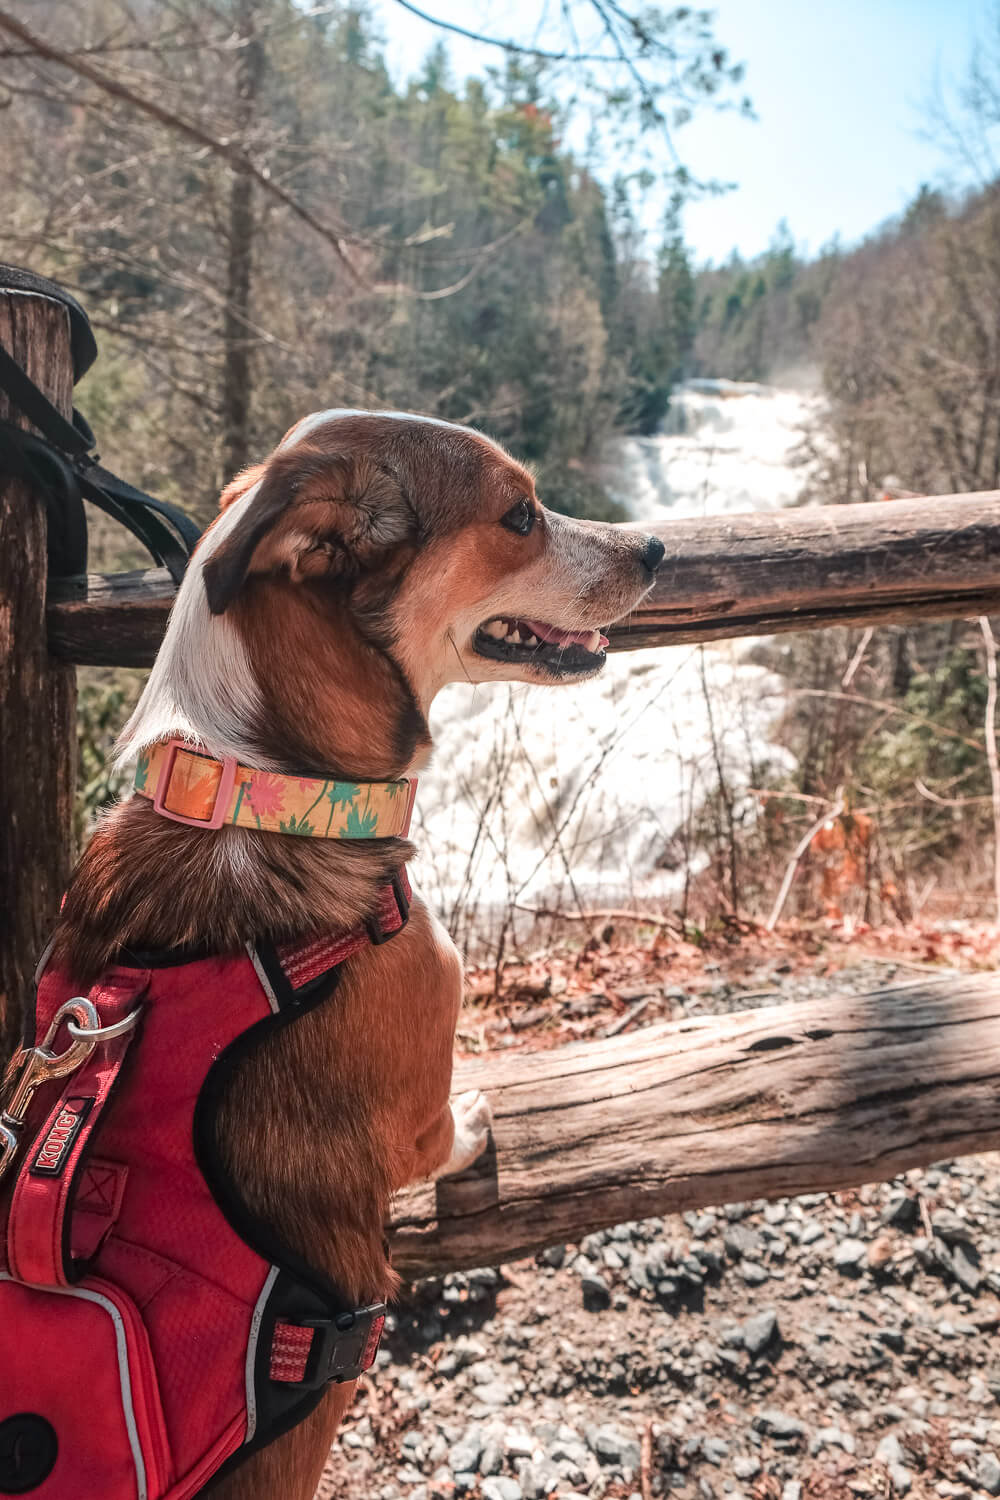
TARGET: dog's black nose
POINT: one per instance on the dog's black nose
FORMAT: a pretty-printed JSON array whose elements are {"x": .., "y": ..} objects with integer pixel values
[{"x": 652, "y": 554}]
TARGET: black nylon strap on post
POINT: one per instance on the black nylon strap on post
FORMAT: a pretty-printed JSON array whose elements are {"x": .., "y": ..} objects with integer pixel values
[{"x": 57, "y": 462}]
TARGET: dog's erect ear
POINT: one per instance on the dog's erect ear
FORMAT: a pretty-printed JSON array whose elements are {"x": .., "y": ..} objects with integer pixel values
[{"x": 312, "y": 512}]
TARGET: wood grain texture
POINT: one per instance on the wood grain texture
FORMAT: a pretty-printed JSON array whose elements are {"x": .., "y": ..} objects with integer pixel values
[
  {"x": 755, "y": 574},
  {"x": 760, "y": 1104},
  {"x": 37, "y": 694}
]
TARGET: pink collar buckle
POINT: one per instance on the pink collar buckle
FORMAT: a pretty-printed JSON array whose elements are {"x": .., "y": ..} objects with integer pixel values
[{"x": 224, "y": 791}]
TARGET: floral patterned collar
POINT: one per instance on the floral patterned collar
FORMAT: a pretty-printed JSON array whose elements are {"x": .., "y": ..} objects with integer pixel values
[{"x": 190, "y": 786}]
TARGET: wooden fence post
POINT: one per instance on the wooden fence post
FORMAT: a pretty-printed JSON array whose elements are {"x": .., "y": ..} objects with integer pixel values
[{"x": 37, "y": 694}]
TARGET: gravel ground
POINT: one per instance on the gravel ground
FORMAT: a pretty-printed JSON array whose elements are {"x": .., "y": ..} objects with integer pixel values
[{"x": 816, "y": 1348}]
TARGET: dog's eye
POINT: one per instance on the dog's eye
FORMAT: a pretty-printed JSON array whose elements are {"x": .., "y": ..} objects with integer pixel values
[{"x": 519, "y": 518}]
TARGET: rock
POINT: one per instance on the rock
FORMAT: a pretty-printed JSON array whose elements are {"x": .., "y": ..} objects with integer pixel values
[
  {"x": 759, "y": 1332},
  {"x": 988, "y": 1473},
  {"x": 850, "y": 1257},
  {"x": 596, "y": 1295},
  {"x": 746, "y": 1466},
  {"x": 465, "y": 1454},
  {"x": 494, "y": 1393},
  {"x": 491, "y": 1458},
  {"x": 902, "y": 1212},
  {"x": 518, "y": 1443},
  {"x": 614, "y": 1447},
  {"x": 892, "y": 1338},
  {"x": 832, "y": 1437},
  {"x": 810, "y": 1232},
  {"x": 553, "y": 1256},
  {"x": 951, "y": 1228},
  {"x": 501, "y": 1488},
  {"x": 715, "y": 1449},
  {"x": 742, "y": 1243},
  {"x": 964, "y": 1268},
  {"x": 901, "y": 1478},
  {"x": 889, "y": 1450},
  {"x": 792, "y": 1490},
  {"x": 465, "y": 1480},
  {"x": 779, "y": 1425},
  {"x": 752, "y": 1273},
  {"x": 536, "y": 1479}
]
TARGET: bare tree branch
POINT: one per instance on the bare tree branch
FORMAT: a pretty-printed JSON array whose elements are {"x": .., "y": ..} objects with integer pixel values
[
  {"x": 227, "y": 150},
  {"x": 506, "y": 46}
]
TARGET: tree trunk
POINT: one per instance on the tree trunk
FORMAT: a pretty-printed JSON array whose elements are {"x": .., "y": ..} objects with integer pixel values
[
  {"x": 37, "y": 694},
  {"x": 237, "y": 373}
]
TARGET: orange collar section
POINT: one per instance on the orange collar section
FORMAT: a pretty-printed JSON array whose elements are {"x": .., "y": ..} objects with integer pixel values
[{"x": 190, "y": 786}]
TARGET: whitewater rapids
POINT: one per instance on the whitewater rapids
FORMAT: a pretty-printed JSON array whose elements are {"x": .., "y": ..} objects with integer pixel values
[{"x": 582, "y": 796}]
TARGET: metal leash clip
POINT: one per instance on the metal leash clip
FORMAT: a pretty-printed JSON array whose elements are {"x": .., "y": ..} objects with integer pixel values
[{"x": 30, "y": 1067}]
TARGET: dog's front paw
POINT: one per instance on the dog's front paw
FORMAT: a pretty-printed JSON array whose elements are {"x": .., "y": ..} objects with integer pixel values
[{"x": 473, "y": 1117}]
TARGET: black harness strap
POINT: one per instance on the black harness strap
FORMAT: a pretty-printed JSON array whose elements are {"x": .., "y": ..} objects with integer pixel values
[{"x": 56, "y": 460}]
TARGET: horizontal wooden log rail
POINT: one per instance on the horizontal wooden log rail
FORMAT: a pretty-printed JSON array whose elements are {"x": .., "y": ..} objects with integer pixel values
[
  {"x": 931, "y": 558},
  {"x": 792, "y": 1099}
]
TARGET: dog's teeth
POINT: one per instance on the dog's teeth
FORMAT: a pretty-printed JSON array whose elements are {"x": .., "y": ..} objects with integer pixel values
[
  {"x": 496, "y": 628},
  {"x": 513, "y": 631},
  {"x": 594, "y": 640},
  {"x": 531, "y": 640}
]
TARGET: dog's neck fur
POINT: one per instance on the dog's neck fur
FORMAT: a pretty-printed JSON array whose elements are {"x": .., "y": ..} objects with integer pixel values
[{"x": 284, "y": 682}]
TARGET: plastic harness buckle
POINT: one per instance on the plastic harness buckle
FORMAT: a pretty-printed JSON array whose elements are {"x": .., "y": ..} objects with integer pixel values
[{"x": 312, "y": 1352}]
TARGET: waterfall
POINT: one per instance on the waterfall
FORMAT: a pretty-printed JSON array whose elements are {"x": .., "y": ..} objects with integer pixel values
[{"x": 583, "y": 795}]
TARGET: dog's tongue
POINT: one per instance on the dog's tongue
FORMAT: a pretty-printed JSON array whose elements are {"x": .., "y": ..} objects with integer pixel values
[{"x": 562, "y": 637}]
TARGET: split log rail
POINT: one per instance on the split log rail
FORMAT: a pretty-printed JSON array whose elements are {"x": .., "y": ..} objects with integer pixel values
[{"x": 766, "y": 1103}]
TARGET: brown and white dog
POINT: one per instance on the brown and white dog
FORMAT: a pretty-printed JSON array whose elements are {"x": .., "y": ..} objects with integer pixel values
[{"x": 371, "y": 559}]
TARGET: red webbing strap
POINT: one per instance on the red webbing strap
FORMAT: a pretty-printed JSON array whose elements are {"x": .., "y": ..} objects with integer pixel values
[
  {"x": 37, "y": 1242},
  {"x": 304, "y": 963},
  {"x": 291, "y": 1345},
  {"x": 290, "y": 1348}
]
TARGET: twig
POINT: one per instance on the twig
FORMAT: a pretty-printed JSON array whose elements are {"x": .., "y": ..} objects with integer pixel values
[
  {"x": 793, "y": 863},
  {"x": 507, "y": 46},
  {"x": 857, "y": 658},
  {"x": 649, "y": 919},
  {"x": 646, "y": 1462},
  {"x": 930, "y": 796},
  {"x": 892, "y": 708},
  {"x": 989, "y": 640},
  {"x": 633, "y": 1012}
]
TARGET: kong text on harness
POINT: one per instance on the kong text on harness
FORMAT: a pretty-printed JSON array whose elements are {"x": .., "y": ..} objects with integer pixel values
[{"x": 31, "y": 1067}]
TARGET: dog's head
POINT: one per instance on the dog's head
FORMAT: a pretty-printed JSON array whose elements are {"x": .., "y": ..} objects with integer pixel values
[{"x": 378, "y": 556}]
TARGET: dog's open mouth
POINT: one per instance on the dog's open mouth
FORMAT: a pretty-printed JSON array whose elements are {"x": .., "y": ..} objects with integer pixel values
[{"x": 531, "y": 642}]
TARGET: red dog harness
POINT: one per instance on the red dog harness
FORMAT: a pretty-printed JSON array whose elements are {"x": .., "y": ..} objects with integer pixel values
[{"x": 152, "y": 1331}]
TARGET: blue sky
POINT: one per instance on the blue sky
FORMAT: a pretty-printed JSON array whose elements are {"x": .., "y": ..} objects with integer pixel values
[{"x": 839, "y": 87}]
